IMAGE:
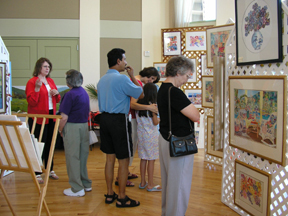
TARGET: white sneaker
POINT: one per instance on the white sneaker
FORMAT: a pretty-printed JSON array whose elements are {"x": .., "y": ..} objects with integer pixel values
[
  {"x": 69, "y": 192},
  {"x": 88, "y": 189}
]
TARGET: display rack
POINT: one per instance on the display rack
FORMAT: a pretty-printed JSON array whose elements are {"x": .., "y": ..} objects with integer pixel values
[
  {"x": 16, "y": 157},
  {"x": 278, "y": 196}
]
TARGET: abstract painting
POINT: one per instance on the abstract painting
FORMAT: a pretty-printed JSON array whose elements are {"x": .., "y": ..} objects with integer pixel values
[{"x": 252, "y": 189}]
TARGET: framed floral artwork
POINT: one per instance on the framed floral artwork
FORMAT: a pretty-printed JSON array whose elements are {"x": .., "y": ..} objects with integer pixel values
[
  {"x": 258, "y": 31},
  {"x": 252, "y": 189},
  {"x": 207, "y": 91},
  {"x": 171, "y": 43},
  {"x": 216, "y": 41},
  {"x": 195, "y": 96},
  {"x": 2, "y": 87},
  {"x": 161, "y": 67},
  {"x": 258, "y": 115},
  {"x": 195, "y": 40}
]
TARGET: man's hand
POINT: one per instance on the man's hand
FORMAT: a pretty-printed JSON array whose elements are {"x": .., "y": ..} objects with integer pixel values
[
  {"x": 153, "y": 108},
  {"x": 130, "y": 71}
]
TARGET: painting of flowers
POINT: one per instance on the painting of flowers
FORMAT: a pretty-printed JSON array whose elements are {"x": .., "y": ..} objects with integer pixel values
[
  {"x": 216, "y": 41},
  {"x": 195, "y": 40},
  {"x": 258, "y": 25},
  {"x": 252, "y": 188},
  {"x": 256, "y": 104},
  {"x": 171, "y": 43}
]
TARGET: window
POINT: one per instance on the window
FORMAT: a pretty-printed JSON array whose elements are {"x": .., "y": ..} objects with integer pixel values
[{"x": 203, "y": 10}]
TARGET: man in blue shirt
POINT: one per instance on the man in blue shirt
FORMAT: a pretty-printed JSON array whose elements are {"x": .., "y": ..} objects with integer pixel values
[{"x": 114, "y": 92}]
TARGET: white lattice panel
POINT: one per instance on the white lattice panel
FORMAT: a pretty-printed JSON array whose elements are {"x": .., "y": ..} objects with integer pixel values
[{"x": 279, "y": 183}]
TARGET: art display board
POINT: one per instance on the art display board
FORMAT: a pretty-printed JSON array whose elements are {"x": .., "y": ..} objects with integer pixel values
[{"x": 275, "y": 197}]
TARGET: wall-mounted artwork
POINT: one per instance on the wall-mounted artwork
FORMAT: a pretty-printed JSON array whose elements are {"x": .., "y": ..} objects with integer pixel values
[
  {"x": 258, "y": 31},
  {"x": 2, "y": 87},
  {"x": 171, "y": 43},
  {"x": 216, "y": 40},
  {"x": 195, "y": 40},
  {"x": 252, "y": 189},
  {"x": 19, "y": 102},
  {"x": 161, "y": 67},
  {"x": 195, "y": 96},
  {"x": 193, "y": 77},
  {"x": 207, "y": 91},
  {"x": 258, "y": 115}
]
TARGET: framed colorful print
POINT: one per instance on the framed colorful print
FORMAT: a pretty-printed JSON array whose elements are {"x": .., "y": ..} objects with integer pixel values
[
  {"x": 207, "y": 91},
  {"x": 258, "y": 31},
  {"x": 216, "y": 40},
  {"x": 195, "y": 40},
  {"x": 252, "y": 189},
  {"x": 193, "y": 77},
  {"x": 161, "y": 67},
  {"x": 258, "y": 115},
  {"x": 195, "y": 96},
  {"x": 2, "y": 87},
  {"x": 172, "y": 43},
  {"x": 210, "y": 138},
  {"x": 204, "y": 69}
]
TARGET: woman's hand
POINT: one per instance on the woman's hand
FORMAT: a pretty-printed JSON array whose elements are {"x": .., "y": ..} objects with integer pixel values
[
  {"x": 54, "y": 92},
  {"x": 38, "y": 85}
]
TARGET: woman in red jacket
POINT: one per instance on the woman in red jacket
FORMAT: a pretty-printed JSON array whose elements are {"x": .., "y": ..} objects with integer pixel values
[{"x": 42, "y": 96}]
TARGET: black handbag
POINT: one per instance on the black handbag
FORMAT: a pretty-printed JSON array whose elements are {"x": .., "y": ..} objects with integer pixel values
[{"x": 180, "y": 146}]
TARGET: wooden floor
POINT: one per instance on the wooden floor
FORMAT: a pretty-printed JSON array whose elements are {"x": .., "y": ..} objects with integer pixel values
[{"x": 205, "y": 199}]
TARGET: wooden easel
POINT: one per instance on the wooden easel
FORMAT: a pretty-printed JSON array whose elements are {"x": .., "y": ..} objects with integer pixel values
[{"x": 14, "y": 163}]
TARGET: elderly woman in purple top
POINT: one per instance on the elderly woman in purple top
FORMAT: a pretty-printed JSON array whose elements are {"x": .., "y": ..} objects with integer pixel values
[{"x": 73, "y": 127}]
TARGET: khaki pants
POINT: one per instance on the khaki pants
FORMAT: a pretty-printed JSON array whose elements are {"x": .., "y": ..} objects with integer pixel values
[
  {"x": 76, "y": 145},
  {"x": 176, "y": 179}
]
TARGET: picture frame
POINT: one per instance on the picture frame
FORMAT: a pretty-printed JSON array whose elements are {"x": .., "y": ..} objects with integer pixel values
[
  {"x": 171, "y": 43},
  {"x": 258, "y": 115},
  {"x": 211, "y": 138},
  {"x": 207, "y": 91},
  {"x": 195, "y": 96},
  {"x": 2, "y": 87},
  {"x": 204, "y": 69},
  {"x": 258, "y": 32},
  {"x": 193, "y": 77},
  {"x": 161, "y": 67},
  {"x": 250, "y": 179},
  {"x": 195, "y": 41},
  {"x": 216, "y": 41}
]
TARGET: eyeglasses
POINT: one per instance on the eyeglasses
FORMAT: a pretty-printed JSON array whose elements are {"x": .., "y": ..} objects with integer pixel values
[{"x": 189, "y": 76}]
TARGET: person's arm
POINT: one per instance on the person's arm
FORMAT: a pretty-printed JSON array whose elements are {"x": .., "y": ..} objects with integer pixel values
[
  {"x": 191, "y": 112},
  {"x": 32, "y": 92},
  {"x": 155, "y": 119},
  {"x": 62, "y": 123},
  {"x": 130, "y": 72},
  {"x": 136, "y": 106}
]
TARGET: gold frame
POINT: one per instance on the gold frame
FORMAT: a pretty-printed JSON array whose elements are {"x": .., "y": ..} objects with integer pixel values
[
  {"x": 255, "y": 174},
  {"x": 268, "y": 152}
]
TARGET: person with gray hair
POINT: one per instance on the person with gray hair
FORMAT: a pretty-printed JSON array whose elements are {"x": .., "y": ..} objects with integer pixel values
[
  {"x": 73, "y": 127},
  {"x": 176, "y": 172}
]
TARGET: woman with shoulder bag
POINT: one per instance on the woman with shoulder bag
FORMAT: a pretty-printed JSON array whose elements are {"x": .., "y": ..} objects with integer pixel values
[{"x": 176, "y": 172}]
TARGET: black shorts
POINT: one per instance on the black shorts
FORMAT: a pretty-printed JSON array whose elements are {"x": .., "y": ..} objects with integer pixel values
[{"x": 115, "y": 134}]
